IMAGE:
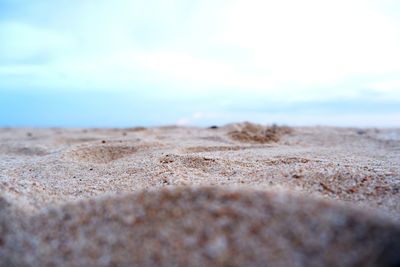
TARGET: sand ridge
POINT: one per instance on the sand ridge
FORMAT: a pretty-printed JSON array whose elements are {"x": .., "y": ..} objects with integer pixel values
[{"x": 202, "y": 227}]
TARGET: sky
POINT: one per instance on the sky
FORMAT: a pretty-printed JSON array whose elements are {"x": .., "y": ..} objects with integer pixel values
[{"x": 100, "y": 63}]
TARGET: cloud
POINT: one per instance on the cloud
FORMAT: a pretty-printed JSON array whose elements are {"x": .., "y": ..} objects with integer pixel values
[
  {"x": 387, "y": 86},
  {"x": 385, "y": 90},
  {"x": 22, "y": 42},
  {"x": 270, "y": 51},
  {"x": 199, "y": 117},
  {"x": 313, "y": 42}
]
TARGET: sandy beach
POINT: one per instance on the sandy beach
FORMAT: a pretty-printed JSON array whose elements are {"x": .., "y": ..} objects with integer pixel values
[{"x": 242, "y": 194}]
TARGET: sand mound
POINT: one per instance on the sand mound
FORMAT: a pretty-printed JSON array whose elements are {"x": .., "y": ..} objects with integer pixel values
[
  {"x": 135, "y": 129},
  {"x": 255, "y": 133},
  {"x": 193, "y": 162},
  {"x": 201, "y": 227}
]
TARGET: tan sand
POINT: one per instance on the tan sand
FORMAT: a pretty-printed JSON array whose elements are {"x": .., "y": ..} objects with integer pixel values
[{"x": 238, "y": 195}]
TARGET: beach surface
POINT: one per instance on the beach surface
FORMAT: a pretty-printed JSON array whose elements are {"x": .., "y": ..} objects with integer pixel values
[{"x": 242, "y": 194}]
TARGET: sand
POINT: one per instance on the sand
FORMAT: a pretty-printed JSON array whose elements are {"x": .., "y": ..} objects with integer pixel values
[{"x": 238, "y": 195}]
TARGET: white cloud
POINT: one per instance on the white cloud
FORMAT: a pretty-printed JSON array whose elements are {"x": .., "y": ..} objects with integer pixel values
[
  {"x": 387, "y": 86},
  {"x": 386, "y": 90},
  {"x": 21, "y": 41},
  {"x": 292, "y": 48},
  {"x": 313, "y": 42}
]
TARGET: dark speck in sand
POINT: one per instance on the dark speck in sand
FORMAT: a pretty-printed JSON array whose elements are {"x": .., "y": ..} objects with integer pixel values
[
  {"x": 297, "y": 176},
  {"x": 213, "y": 127}
]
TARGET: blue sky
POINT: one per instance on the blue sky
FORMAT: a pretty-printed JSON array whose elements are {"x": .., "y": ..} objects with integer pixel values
[{"x": 122, "y": 63}]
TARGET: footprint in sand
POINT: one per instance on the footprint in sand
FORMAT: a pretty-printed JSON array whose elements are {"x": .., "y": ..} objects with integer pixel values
[
  {"x": 107, "y": 151},
  {"x": 100, "y": 153},
  {"x": 23, "y": 151}
]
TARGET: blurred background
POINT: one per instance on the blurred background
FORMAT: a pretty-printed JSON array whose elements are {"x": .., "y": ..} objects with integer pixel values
[{"x": 121, "y": 63}]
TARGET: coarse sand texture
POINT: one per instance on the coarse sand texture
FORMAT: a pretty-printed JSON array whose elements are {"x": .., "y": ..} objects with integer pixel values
[{"x": 238, "y": 195}]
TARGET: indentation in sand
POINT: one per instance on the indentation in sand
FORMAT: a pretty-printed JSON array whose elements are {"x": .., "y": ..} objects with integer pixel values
[
  {"x": 23, "y": 151},
  {"x": 69, "y": 140},
  {"x": 198, "y": 149},
  {"x": 255, "y": 133},
  {"x": 100, "y": 153}
]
